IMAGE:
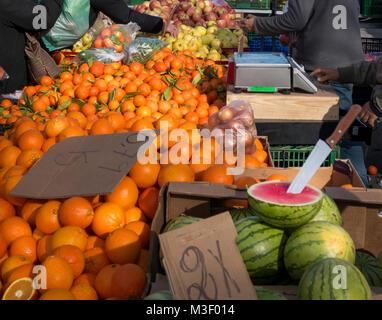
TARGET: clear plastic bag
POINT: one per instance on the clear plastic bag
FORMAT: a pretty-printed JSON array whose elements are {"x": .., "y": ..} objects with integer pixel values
[
  {"x": 143, "y": 49},
  {"x": 237, "y": 124},
  {"x": 117, "y": 36},
  {"x": 105, "y": 55},
  {"x": 3, "y": 74},
  {"x": 70, "y": 26}
]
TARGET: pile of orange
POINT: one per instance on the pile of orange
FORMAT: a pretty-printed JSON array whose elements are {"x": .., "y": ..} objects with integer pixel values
[{"x": 97, "y": 247}]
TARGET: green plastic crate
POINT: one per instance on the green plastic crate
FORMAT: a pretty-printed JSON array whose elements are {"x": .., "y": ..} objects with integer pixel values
[
  {"x": 295, "y": 156},
  {"x": 371, "y": 8},
  {"x": 255, "y": 4},
  {"x": 134, "y": 2}
]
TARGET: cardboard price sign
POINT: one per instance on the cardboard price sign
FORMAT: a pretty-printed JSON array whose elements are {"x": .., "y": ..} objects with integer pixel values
[
  {"x": 203, "y": 262},
  {"x": 84, "y": 166}
]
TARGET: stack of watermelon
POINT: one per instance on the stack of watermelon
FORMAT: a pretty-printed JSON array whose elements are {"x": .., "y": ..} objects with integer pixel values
[{"x": 298, "y": 239}]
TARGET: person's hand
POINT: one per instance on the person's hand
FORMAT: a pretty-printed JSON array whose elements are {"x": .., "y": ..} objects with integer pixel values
[
  {"x": 324, "y": 75},
  {"x": 248, "y": 24},
  {"x": 173, "y": 30},
  {"x": 367, "y": 115}
]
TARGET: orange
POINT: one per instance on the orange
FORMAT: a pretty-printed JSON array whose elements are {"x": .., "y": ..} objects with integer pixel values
[
  {"x": 128, "y": 282},
  {"x": 139, "y": 100},
  {"x": 88, "y": 109},
  {"x": 245, "y": 182},
  {"x": 12, "y": 263},
  {"x": 58, "y": 294},
  {"x": 37, "y": 234},
  {"x": 47, "y": 144},
  {"x": 143, "y": 260},
  {"x": 144, "y": 175},
  {"x": 6, "y": 210},
  {"x": 8, "y": 156},
  {"x": 122, "y": 246},
  {"x": 5, "y": 143},
  {"x": 80, "y": 117},
  {"x": 125, "y": 194},
  {"x": 74, "y": 256},
  {"x": 55, "y": 126},
  {"x": 103, "y": 280},
  {"x": 76, "y": 211},
  {"x": 261, "y": 156},
  {"x": 101, "y": 126},
  {"x": 95, "y": 242},
  {"x": 217, "y": 174},
  {"x": 277, "y": 177},
  {"x": 10, "y": 183},
  {"x": 14, "y": 227},
  {"x": 136, "y": 68},
  {"x": 59, "y": 273},
  {"x": 84, "y": 291},
  {"x": 347, "y": 186},
  {"x": 107, "y": 218},
  {"x": 134, "y": 214},
  {"x": 23, "y": 271},
  {"x": 70, "y": 132},
  {"x": 148, "y": 201},
  {"x": 142, "y": 230},
  {"x": 175, "y": 173},
  {"x": 3, "y": 246},
  {"x": 116, "y": 120},
  {"x": 31, "y": 139},
  {"x": 140, "y": 125},
  {"x": 372, "y": 170},
  {"x": 97, "y": 68},
  {"x": 69, "y": 235},
  {"x": 25, "y": 246},
  {"x": 28, "y": 158},
  {"x": 47, "y": 217},
  {"x": 44, "y": 248},
  {"x": 88, "y": 278},
  {"x": 95, "y": 260}
]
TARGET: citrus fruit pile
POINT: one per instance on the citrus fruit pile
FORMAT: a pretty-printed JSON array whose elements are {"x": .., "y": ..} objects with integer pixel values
[{"x": 97, "y": 247}]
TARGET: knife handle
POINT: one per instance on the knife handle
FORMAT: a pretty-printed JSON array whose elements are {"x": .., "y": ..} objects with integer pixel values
[{"x": 344, "y": 125}]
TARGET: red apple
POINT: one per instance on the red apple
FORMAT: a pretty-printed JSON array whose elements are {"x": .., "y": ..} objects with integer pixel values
[
  {"x": 190, "y": 12},
  {"x": 221, "y": 23},
  {"x": 211, "y": 16},
  {"x": 207, "y": 9},
  {"x": 225, "y": 16},
  {"x": 284, "y": 40},
  {"x": 196, "y": 17},
  {"x": 154, "y": 4}
]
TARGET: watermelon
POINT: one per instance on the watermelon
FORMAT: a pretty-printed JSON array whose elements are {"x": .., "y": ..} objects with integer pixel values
[
  {"x": 370, "y": 268},
  {"x": 316, "y": 241},
  {"x": 265, "y": 294},
  {"x": 161, "y": 295},
  {"x": 329, "y": 212},
  {"x": 180, "y": 222},
  {"x": 261, "y": 247},
  {"x": 322, "y": 281},
  {"x": 280, "y": 209},
  {"x": 239, "y": 214}
]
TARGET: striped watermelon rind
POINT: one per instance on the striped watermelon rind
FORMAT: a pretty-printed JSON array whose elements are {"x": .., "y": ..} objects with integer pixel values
[
  {"x": 161, "y": 295},
  {"x": 180, "y": 222},
  {"x": 266, "y": 294},
  {"x": 322, "y": 281},
  {"x": 329, "y": 212},
  {"x": 281, "y": 215},
  {"x": 261, "y": 247},
  {"x": 239, "y": 214},
  {"x": 370, "y": 268},
  {"x": 316, "y": 241}
]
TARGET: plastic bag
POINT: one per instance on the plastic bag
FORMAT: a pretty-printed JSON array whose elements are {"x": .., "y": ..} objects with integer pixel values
[
  {"x": 105, "y": 55},
  {"x": 70, "y": 26},
  {"x": 143, "y": 49},
  {"x": 117, "y": 36},
  {"x": 237, "y": 124},
  {"x": 3, "y": 74}
]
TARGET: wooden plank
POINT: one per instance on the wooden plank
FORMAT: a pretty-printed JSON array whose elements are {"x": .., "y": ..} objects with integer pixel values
[{"x": 321, "y": 106}]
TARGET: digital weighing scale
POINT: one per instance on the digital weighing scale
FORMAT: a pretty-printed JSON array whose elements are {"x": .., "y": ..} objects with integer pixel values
[{"x": 267, "y": 72}]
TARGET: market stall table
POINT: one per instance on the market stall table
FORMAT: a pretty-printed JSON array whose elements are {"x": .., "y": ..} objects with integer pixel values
[{"x": 295, "y": 118}]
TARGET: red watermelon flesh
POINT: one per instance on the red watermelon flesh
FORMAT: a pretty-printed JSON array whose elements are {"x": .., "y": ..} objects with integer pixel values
[{"x": 277, "y": 193}]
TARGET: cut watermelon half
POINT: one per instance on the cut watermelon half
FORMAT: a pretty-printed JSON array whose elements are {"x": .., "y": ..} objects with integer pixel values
[{"x": 284, "y": 210}]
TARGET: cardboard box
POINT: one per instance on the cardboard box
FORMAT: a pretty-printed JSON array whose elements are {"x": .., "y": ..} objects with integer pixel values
[{"x": 360, "y": 206}]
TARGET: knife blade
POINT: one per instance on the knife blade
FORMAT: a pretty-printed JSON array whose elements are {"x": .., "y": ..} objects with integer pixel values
[{"x": 321, "y": 151}]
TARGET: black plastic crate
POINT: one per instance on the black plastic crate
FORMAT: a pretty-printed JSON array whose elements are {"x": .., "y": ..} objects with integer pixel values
[{"x": 371, "y": 45}]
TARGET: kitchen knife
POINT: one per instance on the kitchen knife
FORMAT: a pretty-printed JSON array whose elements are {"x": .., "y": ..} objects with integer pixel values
[{"x": 322, "y": 150}]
